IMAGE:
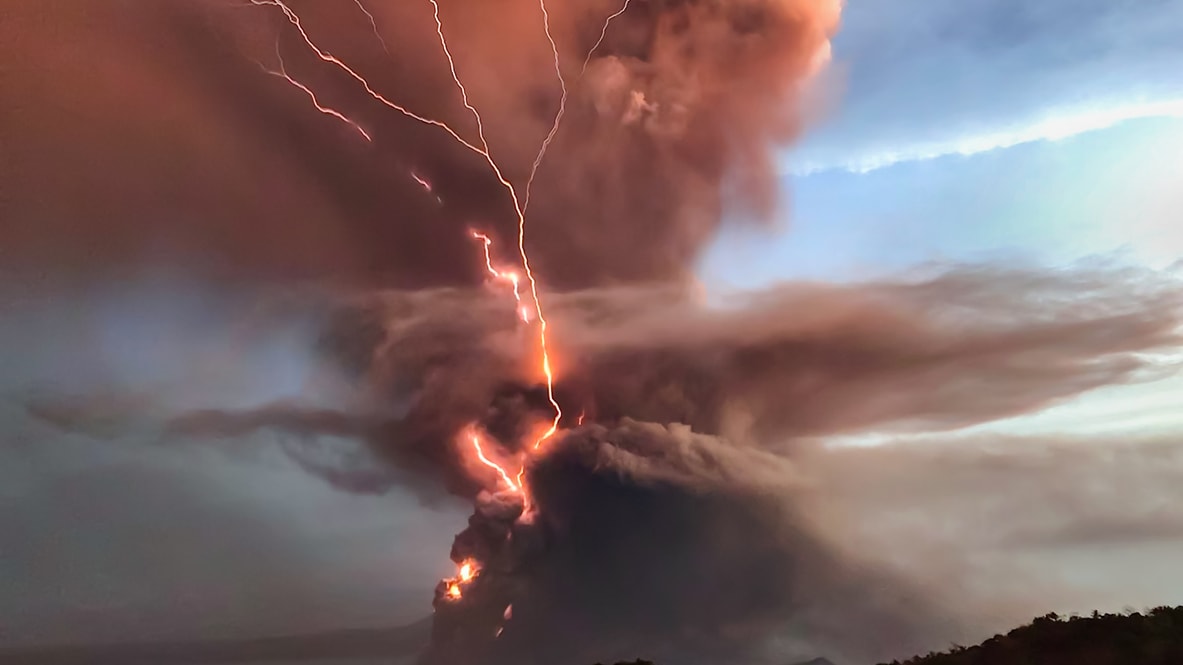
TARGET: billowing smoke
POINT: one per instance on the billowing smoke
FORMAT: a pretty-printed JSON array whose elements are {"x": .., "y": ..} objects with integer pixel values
[
  {"x": 662, "y": 519},
  {"x": 668, "y": 523},
  {"x": 185, "y": 153}
]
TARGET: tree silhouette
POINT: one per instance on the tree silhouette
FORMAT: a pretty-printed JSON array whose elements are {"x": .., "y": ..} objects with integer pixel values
[{"x": 1133, "y": 638}]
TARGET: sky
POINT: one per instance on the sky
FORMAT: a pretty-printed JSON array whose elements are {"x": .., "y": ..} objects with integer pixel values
[
  {"x": 979, "y": 131},
  {"x": 1045, "y": 134}
]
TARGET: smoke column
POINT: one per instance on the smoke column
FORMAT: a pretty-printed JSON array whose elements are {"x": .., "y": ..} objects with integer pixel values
[{"x": 660, "y": 520}]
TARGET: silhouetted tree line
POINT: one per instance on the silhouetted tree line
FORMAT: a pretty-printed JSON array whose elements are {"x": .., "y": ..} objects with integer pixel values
[
  {"x": 1135, "y": 638},
  {"x": 1153, "y": 638}
]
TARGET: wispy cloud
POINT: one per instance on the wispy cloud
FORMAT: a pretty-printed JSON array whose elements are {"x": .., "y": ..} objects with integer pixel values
[{"x": 1051, "y": 126}]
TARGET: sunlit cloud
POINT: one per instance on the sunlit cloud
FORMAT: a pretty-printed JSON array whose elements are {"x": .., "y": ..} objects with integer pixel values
[{"x": 1054, "y": 125}]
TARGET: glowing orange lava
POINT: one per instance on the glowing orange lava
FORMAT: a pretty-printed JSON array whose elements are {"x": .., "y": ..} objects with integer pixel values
[{"x": 465, "y": 574}]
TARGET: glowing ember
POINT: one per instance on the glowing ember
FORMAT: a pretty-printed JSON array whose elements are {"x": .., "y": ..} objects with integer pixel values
[{"x": 467, "y": 572}]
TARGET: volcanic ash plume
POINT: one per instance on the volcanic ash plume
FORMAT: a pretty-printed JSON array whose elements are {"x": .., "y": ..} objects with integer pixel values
[
  {"x": 655, "y": 515},
  {"x": 648, "y": 539}
]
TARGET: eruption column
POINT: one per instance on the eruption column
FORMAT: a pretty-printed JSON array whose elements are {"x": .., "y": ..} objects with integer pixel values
[
  {"x": 482, "y": 150},
  {"x": 542, "y": 325}
]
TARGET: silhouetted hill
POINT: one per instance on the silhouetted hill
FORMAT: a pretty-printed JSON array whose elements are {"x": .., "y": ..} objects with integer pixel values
[
  {"x": 341, "y": 644},
  {"x": 1154, "y": 638}
]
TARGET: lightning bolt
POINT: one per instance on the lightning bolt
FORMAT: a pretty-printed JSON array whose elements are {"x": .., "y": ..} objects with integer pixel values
[
  {"x": 480, "y": 453},
  {"x": 554, "y": 127},
  {"x": 373, "y": 25},
  {"x": 283, "y": 74},
  {"x": 603, "y": 33},
  {"x": 506, "y": 276},
  {"x": 484, "y": 152},
  {"x": 294, "y": 19},
  {"x": 520, "y": 211}
]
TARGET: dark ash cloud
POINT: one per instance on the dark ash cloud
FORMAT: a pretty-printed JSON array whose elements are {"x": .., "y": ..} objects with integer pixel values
[{"x": 181, "y": 153}]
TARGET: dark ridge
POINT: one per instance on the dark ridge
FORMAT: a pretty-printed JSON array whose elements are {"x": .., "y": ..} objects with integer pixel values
[
  {"x": 1152, "y": 638},
  {"x": 377, "y": 643}
]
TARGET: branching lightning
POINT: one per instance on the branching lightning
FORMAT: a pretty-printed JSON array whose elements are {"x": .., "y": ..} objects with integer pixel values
[
  {"x": 603, "y": 34},
  {"x": 554, "y": 128},
  {"x": 373, "y": 24},
  {"x": 482, "y": 150},
  {"x": 453, "y": 588},
  {"x": 294, "y": 19},
  {"x": 503, "y": 275},
  {"x": 283, "y": 74},
  {"x": 518, "y": 208},
  {"x": 480, "y": 453}
]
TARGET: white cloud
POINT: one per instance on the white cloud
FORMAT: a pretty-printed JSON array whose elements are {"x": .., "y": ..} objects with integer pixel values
[{"x": 1050, "y": 126}]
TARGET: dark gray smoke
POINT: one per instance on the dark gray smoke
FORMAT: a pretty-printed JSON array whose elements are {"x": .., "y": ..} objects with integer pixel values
[
  {"x": 652, "y": 539},
  {"x": 683, "y": 535}
]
